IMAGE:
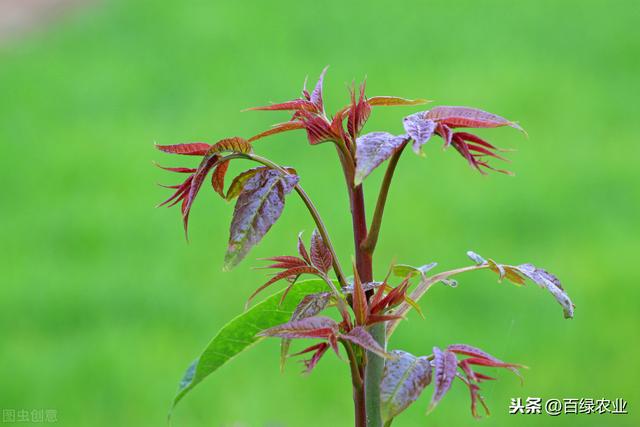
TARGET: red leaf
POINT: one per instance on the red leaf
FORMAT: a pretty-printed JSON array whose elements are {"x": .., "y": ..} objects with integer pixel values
[
  {"x": 291, "y": 272},
  {"x": 279, "y": 128},
  {"x": 217, "y": 178},
  {"x": 320, "y": 255},
  {"x": 189, "y": 149},
  {"x": 234, "y": 144},
  {"x": 311, "y": 327},
  {"x": 179, "y": 170},
  {"x": 445, "y": 364},
  {"x": 296, "y": 105},
  {"x": 361, "y": 337},
  {"x": 360, "y": 307},
  {"x": 319, "y": 351},
  {"x": 302, "y": 250},
  {"x": 198, "y": 178},
  {"x": 358, "y": 113}
]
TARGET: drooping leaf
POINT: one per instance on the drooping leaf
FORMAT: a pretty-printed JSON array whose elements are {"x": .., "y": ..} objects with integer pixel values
[
  {"x": 239, "y": 181},
  {"x": 468, "y": 117},
  {"x": 240, "y": 334},
  {"x": 362, "y": 338},
  {"x": 188, "y": 149},
  {"x": 318, "y": 351},
  {"x": 205, "y": 166},
  {"x": 310, "y": 305},
  {"x": 217, "y": 177},
  {"x": 404, "y": 379},
  {"x": 311, "y": 327},
  {"x": 394, "y": 100},
  {"x": 445, "y": 366},
  {"x": 551, "y": 283},
  {"x": 374, "y": 148},
  {"x": 419, "y": 129},
  {"x": 258, "y": 207},
  {"x": 477, "y": 353},
  {"x": 320, "y": 255}
]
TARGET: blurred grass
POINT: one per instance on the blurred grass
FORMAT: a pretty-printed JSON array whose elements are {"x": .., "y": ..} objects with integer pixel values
[{"x": 103, "y": 304}]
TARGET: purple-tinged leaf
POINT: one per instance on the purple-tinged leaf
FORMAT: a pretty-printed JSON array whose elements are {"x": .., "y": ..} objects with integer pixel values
[
  {"x": 362, "y": 338},
  {"x": 419, "y": 129},
  {"x": 239, "y": 181},
  {"x": 374, "y": 148},
  {"x": 469, "y": 118},
  {"x": 279, "y": 128},
  {"x": 320, "y": 255},
  {"x": 551, "y": 283},
  {"x": 217, "y": 177},
  {"x": 394, "y": 100},
  {"x": 403, "y": 380},
  {"x": 310, "y": 305},
  {"x": 258, "y": 207},
  {"x": 445, "y": 366},
  {"x": 316, "y": 95},
  {"x": 311, "y": 327},
  {"x": 188, "y": 149},
  {"x": 478, "y": 259}
]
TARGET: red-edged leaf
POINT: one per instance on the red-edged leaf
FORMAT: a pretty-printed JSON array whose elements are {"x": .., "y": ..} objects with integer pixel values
[
  {"x": 358, "y": 113},
  {"x": 258, "y": 207},
  {"x": 309, "y": 306},
  {"x": 188, "y": 149},
  {"x": 302, "y": 250},
  {"x": 296, "y": 105},
  {"x": 404, "y": 378},
  {"x": 311, "y": 327},
  {"x": 196, "y": 183},
  {"x": 375, "y": 101},
  {"x": 279, "y": 128},
  {"x": 361, "y": 337},
  {"x": 292, "y": 272},
  {"x": 445, "y": 366},
  {"x": 374, "y": 148},
  {"x": 469, "y": 118},
  {"x": 178, "y": 170},
  {"x": 360, "y": 307},
  {"x": 419, "y": 129},
  {"x": 217, "y": 177},
  {"x": 320, "y": 255},
  {"x": 319, "y": 351},
  {"x": 316, "y": 95}
]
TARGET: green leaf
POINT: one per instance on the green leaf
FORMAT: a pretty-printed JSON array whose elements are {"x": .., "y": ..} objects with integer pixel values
[{"x": 240, "y": 333}]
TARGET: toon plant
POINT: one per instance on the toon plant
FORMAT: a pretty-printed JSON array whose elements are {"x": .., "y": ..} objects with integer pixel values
[{"x": 365, "y": 311}]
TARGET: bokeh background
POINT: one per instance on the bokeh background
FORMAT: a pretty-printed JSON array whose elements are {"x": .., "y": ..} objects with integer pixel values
[{"x": 103, "y": 304}]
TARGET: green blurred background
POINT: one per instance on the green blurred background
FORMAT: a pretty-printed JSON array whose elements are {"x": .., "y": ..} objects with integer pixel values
[{"x": 103, "y": 304}]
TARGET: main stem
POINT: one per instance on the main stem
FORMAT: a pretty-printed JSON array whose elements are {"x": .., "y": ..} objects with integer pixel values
[{"x": 374, "y": 364}]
